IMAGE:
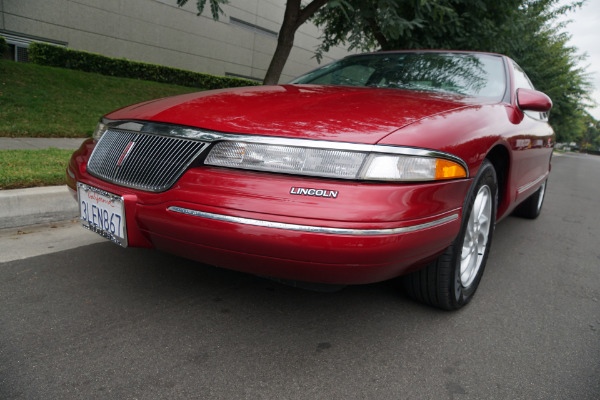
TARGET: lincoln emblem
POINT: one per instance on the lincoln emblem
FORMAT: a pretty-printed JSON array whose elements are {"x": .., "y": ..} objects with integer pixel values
[{"x": 314, "y": 192}]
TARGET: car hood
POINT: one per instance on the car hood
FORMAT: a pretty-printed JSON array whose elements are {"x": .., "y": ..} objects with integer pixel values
[{"x": 351, "y": 114}]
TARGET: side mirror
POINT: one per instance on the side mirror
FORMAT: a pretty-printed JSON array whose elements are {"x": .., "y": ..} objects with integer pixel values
[{"x": 532, "y": 100}]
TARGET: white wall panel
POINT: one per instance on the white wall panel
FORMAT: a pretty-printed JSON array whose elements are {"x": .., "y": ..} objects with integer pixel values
[{"x": 158, "y": 31}]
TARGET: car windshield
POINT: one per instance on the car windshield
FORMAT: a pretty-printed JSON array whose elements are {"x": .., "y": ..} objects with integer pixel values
[{"x": 464, "y": 74}]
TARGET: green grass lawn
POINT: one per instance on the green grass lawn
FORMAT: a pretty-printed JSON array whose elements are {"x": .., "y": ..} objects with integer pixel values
[
  {"x": 37, "y": 101},
  {"x": 29, "y": 168}
]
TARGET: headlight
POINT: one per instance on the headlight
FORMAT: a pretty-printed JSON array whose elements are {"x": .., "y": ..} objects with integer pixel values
[
  {"x": 332, "y": 163},
  {"x": 99, "y": 131}
]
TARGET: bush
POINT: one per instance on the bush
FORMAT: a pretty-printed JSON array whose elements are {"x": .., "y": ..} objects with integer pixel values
[
  {"x": 57, "y": 56},
  {"x": 3, "y": 46}
]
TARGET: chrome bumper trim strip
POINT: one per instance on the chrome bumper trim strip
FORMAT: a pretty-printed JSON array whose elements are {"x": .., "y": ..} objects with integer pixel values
[{"x": 310, "y": 228}]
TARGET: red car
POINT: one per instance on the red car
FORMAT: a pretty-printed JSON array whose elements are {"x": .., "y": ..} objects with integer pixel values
[{"x": 372, "y": 167}]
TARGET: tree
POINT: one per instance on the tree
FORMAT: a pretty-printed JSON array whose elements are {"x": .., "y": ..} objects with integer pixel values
[
  {"x": 215, "y": 7},
  {"x": 552, "y": 65},
  {"x": 525, "y": 30},
  {"x": 294, "y": 16},
  {"x": 383, "y": 24},
  {"x": 591, "y": 136}
]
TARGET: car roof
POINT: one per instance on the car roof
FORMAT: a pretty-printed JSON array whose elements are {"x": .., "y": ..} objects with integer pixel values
[{"x": 427, "y": 51}]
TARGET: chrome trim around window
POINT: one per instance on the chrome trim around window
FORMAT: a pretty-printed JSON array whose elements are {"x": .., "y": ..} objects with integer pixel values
[
  {"x": 311, "y": 228},
  {"x": 204, "y": 135}
]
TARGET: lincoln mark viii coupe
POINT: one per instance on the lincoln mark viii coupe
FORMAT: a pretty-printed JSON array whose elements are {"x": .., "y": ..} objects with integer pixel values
[{"x": 373, "y": 167}]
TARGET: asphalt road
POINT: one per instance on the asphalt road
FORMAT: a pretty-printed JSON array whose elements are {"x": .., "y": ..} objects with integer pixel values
[{"x": 102, "y": 322}]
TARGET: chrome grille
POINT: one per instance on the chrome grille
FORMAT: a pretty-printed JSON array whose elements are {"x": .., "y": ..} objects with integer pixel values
[{"x": 140, "y": 160}]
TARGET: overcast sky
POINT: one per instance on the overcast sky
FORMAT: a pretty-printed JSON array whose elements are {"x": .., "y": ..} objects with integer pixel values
[{"x": 585, "y": 32}]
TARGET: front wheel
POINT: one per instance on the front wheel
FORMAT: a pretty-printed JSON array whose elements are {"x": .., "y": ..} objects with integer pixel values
[{"x": 451, "y": 280}]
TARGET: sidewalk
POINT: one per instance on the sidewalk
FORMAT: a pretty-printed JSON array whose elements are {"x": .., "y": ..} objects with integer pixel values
[
  {"x": 25, "y": 143},
  {"x": 23, "y": 207}
]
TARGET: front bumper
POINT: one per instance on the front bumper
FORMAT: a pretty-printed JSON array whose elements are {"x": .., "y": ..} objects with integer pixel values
[{"x": 243, "y": 221}]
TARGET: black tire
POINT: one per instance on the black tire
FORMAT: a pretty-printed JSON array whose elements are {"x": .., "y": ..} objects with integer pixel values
[
  {"x": 532, "y": 206},
  {"x": 448, "y": 283}
]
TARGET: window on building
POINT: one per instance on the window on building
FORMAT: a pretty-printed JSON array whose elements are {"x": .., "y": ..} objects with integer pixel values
[{"x": 18, "y": 45}]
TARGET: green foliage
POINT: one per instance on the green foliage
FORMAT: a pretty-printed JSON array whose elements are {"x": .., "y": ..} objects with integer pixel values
[
  {"x": 525, "y": 30},
  {"x": 28, "y": 168},
  {"x": 3, "y": 46},
  {"x": 552, "y": 65},
  {"x": 367, "y": 25},
  {"x": 215, "y": 6},
  {"x": 590, "y": 139},
  {"x": 57, "y": 56},
  {"x": 57, "y": 102}
]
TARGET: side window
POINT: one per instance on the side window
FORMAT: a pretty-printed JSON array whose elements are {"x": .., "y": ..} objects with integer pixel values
[{"x": 522, "y": 81}]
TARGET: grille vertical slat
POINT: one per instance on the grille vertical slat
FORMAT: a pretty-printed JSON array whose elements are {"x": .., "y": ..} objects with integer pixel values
[
  {"x": 111, "y": 153},
  {"x": 114, "y": 153},
  {"x": 168, "y": 170},
  {"x": 137, "y": 164},
  {"x": 154, "y": 162},
  {"x": 165, "y": 169},
  {"x": 173, "y": 151}
]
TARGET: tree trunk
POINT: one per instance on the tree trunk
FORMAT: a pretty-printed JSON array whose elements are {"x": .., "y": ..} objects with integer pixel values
[
  {"x": 381, "y": 39},
  {"x": 292, "y": 19},
  {"x": 285, "y": 42}
]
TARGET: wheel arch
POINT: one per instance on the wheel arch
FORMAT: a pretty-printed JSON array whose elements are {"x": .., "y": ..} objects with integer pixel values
[{"x": 500, "y": 159}]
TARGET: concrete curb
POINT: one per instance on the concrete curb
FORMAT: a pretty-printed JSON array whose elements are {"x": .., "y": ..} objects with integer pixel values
[{"x": 23, "y": 207}]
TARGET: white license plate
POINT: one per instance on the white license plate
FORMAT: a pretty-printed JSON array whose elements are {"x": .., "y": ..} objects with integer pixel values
[{"x": 103, "y": 213}]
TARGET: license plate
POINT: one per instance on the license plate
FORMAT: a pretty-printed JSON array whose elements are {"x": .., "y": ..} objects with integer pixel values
[{"x": 102, "y": 212}]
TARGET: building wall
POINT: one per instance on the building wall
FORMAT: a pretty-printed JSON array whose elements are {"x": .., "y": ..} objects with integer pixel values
[{"x": 157, "y": 31}]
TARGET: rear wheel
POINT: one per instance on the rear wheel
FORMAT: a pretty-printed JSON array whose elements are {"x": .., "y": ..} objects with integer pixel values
[
  {"x": 532, "y": 206},
  {"x": 450, "y": 281}
]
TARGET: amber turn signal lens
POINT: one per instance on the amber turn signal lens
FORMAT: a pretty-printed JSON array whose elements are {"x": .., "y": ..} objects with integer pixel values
[{"x": 446, "y": 169}]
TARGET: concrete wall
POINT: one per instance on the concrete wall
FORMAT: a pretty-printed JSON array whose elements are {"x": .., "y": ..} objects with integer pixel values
[{"x": 157, "y": 31}]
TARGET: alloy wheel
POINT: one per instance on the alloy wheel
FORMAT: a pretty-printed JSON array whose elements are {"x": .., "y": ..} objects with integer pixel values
[{"x": 476, "y": 236}]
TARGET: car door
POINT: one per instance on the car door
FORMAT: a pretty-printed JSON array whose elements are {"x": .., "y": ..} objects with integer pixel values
[{"x": 532, "y": 145}]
